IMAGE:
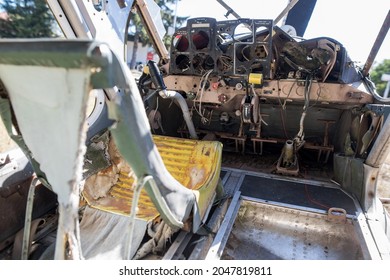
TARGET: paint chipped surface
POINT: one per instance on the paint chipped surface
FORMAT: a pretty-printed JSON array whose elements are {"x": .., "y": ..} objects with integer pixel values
[{"x": 195, "y": 164}]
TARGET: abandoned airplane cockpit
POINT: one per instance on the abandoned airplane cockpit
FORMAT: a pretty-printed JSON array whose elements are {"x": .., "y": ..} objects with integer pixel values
[
  {"x": 244, "y": 141},
  {"x": 251, "y": 84}
]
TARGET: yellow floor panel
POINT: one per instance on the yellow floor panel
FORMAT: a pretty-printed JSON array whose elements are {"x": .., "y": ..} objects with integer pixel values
[{"x": 195, "y": 164}]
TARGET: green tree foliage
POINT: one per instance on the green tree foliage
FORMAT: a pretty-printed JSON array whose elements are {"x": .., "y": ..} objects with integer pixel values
[
  {"x": 139, "y": 34},
  {"x": 26, "y": 19},
  {"x": 376, "y": 74}
]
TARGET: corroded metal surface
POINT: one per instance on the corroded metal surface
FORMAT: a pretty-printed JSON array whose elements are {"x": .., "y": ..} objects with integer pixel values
[
  {"x": 195, "y": 164},
  {"x": 264, "y": 231},
  {"x": 324, "y": 93}
]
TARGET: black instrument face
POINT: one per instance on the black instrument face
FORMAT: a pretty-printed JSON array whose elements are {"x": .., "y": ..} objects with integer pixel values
[
  {"x": 232, "y": 47},
  {"x": 239, "y": 48}
]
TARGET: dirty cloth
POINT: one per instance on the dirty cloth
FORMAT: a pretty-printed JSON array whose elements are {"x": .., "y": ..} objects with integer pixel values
[{"x": 103, "y": 235}]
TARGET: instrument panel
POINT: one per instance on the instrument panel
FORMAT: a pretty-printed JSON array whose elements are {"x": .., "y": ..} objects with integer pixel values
[{"x": 225, "y": 48}]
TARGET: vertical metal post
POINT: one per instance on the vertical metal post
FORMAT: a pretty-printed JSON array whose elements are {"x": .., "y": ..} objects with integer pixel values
[
  {"x": 377, "y": 44},
  {"x": 175, "y": 18},
  {"x": 229, "y": 10},
  {"x": 28, "y": 219},
  {"x": 290, "y": 5}
]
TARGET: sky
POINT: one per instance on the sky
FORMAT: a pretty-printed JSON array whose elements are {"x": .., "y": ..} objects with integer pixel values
[{"x": 354, "y": 23}]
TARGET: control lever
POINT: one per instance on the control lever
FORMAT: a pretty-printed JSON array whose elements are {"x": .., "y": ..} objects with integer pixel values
[
  {"x": 157, "y": 78},
  {"x": 158, "y": 82}
]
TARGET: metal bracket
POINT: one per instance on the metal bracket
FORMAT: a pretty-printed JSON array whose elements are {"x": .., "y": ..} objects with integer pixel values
[{"x": 337, "y": 215}]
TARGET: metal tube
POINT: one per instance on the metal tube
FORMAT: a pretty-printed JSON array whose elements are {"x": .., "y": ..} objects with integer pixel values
[
  {"x": 184, "y": 107},
  {"x": 175, "y": 18},
  {"x": 377, "y": 44},
  {"x": 285, "y": 11},
  {"x": 152, "y": 30},
  {"x": 28, "y": 219},
  {"x": 134, "y": 205},
  {"x": 288, "y": 155},
  {"x": 229, "y": 10}
]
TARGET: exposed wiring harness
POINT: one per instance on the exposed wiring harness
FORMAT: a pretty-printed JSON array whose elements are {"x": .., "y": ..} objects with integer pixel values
[
  {"x": 299, "y": 139},
  {"x": 199, "y": 93}
]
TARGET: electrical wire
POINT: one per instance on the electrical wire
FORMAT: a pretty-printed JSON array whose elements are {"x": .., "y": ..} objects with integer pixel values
[
  {"x": 283, "y": 106},
  {"x": 243, "y": 53},
  {"x": 259, "y": 111},
  {"x": 288, "y": 95},
  {"x": 318, "y": 97},
  {"x": 299, "y": 138},
  {"x": 283, "y": 123},
  {"x": 203, "y": 82},
  {"x": 226, "y": 63},
  {"x": 312, "y": 200}
]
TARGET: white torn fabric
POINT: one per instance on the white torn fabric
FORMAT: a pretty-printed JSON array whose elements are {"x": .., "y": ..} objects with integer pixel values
[
  {"x": 103, "y": 235},
  {"x": 51, "y": 117},
  {"x": 50, "y": 109},
  {"x": 161, "y": 233}
]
